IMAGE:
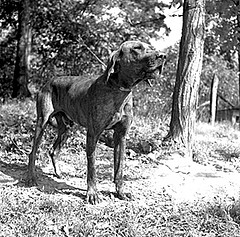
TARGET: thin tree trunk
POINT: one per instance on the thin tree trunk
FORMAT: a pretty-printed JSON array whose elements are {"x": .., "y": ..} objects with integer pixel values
[
  {"x": 213, "y": 99},
  {"x": 188, "y": 75},
  {"x": 238, "y": 48},
  {"x": 24, "y": 38}
]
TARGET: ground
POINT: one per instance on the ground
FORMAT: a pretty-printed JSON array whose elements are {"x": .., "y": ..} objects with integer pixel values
[{"x": 171, "y": 195}]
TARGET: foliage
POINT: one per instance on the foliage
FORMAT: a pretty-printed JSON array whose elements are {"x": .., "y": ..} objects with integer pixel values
[
  {"x": 7, "y": 63},
  {"x": 65, "y": 32},
  {"x": 62, "y": 30},
  {"x": 221, "y": 44},
  {"x": 223, "y": 32},
  {"x": 8, "y": 24},
  {"x": 228, "y": 81}
]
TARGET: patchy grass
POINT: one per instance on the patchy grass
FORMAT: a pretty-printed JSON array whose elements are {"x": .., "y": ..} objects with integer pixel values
[
  {"x": 218, "y": 146},
  {"x": 26, "y": 212},
  {"x": 57, "y": 207}
]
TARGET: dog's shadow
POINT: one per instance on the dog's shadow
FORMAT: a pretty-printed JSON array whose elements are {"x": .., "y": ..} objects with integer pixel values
[{"x": 15, "y": 174}]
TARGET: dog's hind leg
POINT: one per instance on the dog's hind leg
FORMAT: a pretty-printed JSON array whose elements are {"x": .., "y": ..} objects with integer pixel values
[
  {"x": 39, "y": 130},
  {"x": 61, "y": 139},
  {"x": 44, "y": 111}
]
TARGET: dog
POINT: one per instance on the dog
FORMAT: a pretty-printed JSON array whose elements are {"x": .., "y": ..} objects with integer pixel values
[{"x": 96, "y": 104}]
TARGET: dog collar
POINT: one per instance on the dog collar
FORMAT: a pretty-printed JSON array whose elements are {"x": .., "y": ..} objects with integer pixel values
[
  {"x": 124, "y": 89},
  {"x": 115, "y": 86}
]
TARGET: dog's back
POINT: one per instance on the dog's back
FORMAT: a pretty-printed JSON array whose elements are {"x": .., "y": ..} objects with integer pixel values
[{"x": 61, "y": 94}]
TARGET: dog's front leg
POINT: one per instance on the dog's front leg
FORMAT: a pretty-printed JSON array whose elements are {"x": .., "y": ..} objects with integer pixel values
[
  {"x": 119, "y": 151},
  {"x": 92, "y": 196},
  {"x": 119, "y": 137}
]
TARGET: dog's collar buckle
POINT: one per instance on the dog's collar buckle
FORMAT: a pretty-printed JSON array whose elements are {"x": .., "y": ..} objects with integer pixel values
[{"x": 124, "y": 89}]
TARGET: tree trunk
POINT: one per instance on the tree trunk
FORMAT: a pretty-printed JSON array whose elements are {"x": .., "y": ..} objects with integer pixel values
[
  {"x": 238, "y": 48},
  {"x": 213, "y": 99},
  {"x": 185, "y": 93},
  {"x": 24, "y": 41}
]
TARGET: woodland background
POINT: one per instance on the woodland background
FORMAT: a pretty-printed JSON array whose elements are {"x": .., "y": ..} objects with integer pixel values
[
  {"x": 63, "y": 36},
  {"x": 169, "y": 198}
]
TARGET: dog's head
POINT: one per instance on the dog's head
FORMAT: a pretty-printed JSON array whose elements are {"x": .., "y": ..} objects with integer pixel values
[{"x": 133, "y": 62}]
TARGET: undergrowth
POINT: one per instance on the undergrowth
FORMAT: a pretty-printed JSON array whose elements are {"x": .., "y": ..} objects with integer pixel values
[{"x": 40, "y": 212}]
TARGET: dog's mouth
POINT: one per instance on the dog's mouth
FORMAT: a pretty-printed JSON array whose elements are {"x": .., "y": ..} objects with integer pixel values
[
  {"x": 152, "y": 70},
  {"x": 153, "y": 73}
]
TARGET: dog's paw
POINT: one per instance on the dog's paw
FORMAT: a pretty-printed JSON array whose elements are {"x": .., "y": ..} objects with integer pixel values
[
  {"x": 92, "y": 198},
  {"x": 124, "y": 196}
]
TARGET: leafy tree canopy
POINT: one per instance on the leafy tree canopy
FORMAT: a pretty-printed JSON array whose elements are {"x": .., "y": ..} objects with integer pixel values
[
  {"x": 65, "y": 32},
  {"x": 221, "y": 46},
  {"x": 223, "y": 31}
]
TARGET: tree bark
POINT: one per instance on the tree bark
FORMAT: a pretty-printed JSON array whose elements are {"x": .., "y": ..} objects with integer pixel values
[
  {"x": 213, "y": 99},
  {"x": 24, "y": 42},
  {"x": 185, "y": 95},
  {"x": 238, "y": 48}
]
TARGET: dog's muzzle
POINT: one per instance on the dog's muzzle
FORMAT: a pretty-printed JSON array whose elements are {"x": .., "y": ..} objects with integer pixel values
[{"x": 155, "y": 70}]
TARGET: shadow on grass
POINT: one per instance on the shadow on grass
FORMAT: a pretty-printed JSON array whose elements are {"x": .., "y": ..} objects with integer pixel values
[
  {"x": 227, "y": 155},
  {"x": 15, "y": 174}
]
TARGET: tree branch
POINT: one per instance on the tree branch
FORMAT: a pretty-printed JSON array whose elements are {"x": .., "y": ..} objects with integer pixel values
[
  {"x": 162, "y": 17},
  {"x": 236, "y": 3},
  {"x": 94, "y": 55},
  {"x": 225, "y": 100}
]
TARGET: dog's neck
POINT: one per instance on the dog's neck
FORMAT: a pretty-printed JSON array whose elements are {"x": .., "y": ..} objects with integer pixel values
[{"x": 116, "y": 83}]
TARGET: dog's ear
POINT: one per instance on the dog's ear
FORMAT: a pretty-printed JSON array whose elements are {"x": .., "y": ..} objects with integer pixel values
[{"x": 112, "y": 66}]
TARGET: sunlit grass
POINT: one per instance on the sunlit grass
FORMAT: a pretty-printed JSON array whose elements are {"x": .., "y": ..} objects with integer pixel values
[
  {"x": 27, "y": 212},
  {"x": 42, "y": 212}
]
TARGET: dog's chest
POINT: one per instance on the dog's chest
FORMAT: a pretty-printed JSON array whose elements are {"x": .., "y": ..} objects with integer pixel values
[{"x": 108, "y": 108}]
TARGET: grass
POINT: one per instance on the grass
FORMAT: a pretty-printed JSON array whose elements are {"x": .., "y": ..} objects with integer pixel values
[
  {"x": 32, "y": 213},
  {"x": 55, "y": 208},
  {"x": 217, "y": 145}
]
